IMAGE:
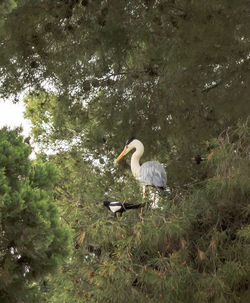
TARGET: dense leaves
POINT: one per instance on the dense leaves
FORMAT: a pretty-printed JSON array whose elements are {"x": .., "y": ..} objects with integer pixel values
[
  {"x": 32, "y": 241},
  {"x": 175, "y": 74},
  {"x": 195, "y": 247}
]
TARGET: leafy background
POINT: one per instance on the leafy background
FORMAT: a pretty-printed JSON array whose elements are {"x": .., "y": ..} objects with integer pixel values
[{"x": 173, "y": 73}]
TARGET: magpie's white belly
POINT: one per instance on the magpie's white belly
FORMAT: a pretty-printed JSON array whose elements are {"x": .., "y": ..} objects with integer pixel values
[{"x": 115, "y": 208}]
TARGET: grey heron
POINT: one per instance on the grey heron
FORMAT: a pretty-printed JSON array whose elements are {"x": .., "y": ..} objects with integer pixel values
[{"x": 150, "y": 173}]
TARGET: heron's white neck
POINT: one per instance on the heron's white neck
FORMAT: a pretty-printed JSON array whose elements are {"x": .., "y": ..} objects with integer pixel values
[{"x": 135, "y": 164}]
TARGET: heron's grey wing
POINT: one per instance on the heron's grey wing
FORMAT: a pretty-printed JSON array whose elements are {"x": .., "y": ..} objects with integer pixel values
[{"x": 153, "y": 173}]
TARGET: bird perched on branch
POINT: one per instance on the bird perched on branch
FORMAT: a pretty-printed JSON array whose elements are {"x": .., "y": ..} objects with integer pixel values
[
  {"x": 119, "y": 207},
  {"x": 150, "y": 173}
]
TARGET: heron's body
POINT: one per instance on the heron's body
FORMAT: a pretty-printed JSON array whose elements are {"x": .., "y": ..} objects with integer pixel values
[{"x": 150, "y": 173}]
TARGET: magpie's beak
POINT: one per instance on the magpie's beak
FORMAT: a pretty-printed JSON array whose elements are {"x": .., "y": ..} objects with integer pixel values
[{"x": 123, "y": 153}]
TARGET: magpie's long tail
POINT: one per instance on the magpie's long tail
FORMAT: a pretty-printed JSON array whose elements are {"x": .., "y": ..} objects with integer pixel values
[{"x": 132, "y": 206}]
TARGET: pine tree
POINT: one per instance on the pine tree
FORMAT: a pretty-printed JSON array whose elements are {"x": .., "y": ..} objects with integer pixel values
[
  {"x": 193, "y": 249},
  {"x": 32, "y": 241},
  {"x": 175, "y": 74}
]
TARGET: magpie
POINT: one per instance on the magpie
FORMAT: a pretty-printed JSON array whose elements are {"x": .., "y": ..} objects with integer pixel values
[{"x": 120, "y": 207}]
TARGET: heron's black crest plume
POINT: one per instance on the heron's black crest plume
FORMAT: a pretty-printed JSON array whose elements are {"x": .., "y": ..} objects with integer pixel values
[{"x": 130, "y": 140}]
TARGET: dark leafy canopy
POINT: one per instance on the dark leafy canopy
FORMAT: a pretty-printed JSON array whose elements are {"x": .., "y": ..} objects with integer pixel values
[
  {"x": 32, "y": 240},
  {"x": 194, "y": 249},
  {"x": 141, "y": 66},
  {"x": 175, "y": 74}
]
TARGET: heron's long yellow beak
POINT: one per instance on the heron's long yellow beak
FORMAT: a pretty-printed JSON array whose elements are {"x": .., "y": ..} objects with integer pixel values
[{"x": 123, "y": 153}]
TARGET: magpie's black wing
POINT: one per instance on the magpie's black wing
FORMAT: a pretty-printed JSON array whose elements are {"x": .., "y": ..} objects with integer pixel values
[{"x": 131, "y": 206}]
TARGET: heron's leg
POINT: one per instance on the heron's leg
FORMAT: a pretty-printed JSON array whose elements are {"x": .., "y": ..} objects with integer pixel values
[
  {"x": 143, "y": 197},
  {"x": 143, "y": 191},
  {"x": 155, "y": 202},
  {"x": 141, "y": 215}
]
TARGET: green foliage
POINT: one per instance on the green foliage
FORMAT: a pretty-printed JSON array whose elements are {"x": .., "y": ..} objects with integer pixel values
[
  {"x": 32, "y": 243},
  {"x": 194, "y": 248},
  {"x": 6, "y": 7},
  {"x": 173, "y": 73},
  {"x": 127, "y": 65}
]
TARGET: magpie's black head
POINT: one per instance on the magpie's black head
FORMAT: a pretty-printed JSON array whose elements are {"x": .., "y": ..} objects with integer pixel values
[
  {"x": 130, "y": 140},
  {"x": 106, "y": 203}
]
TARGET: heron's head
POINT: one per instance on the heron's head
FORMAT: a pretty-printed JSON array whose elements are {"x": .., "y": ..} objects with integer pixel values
[{"x": 129, "y": 145}]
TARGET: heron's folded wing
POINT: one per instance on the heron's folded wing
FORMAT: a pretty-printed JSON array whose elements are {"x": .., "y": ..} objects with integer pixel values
[{"x": 153, "y": 173}]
